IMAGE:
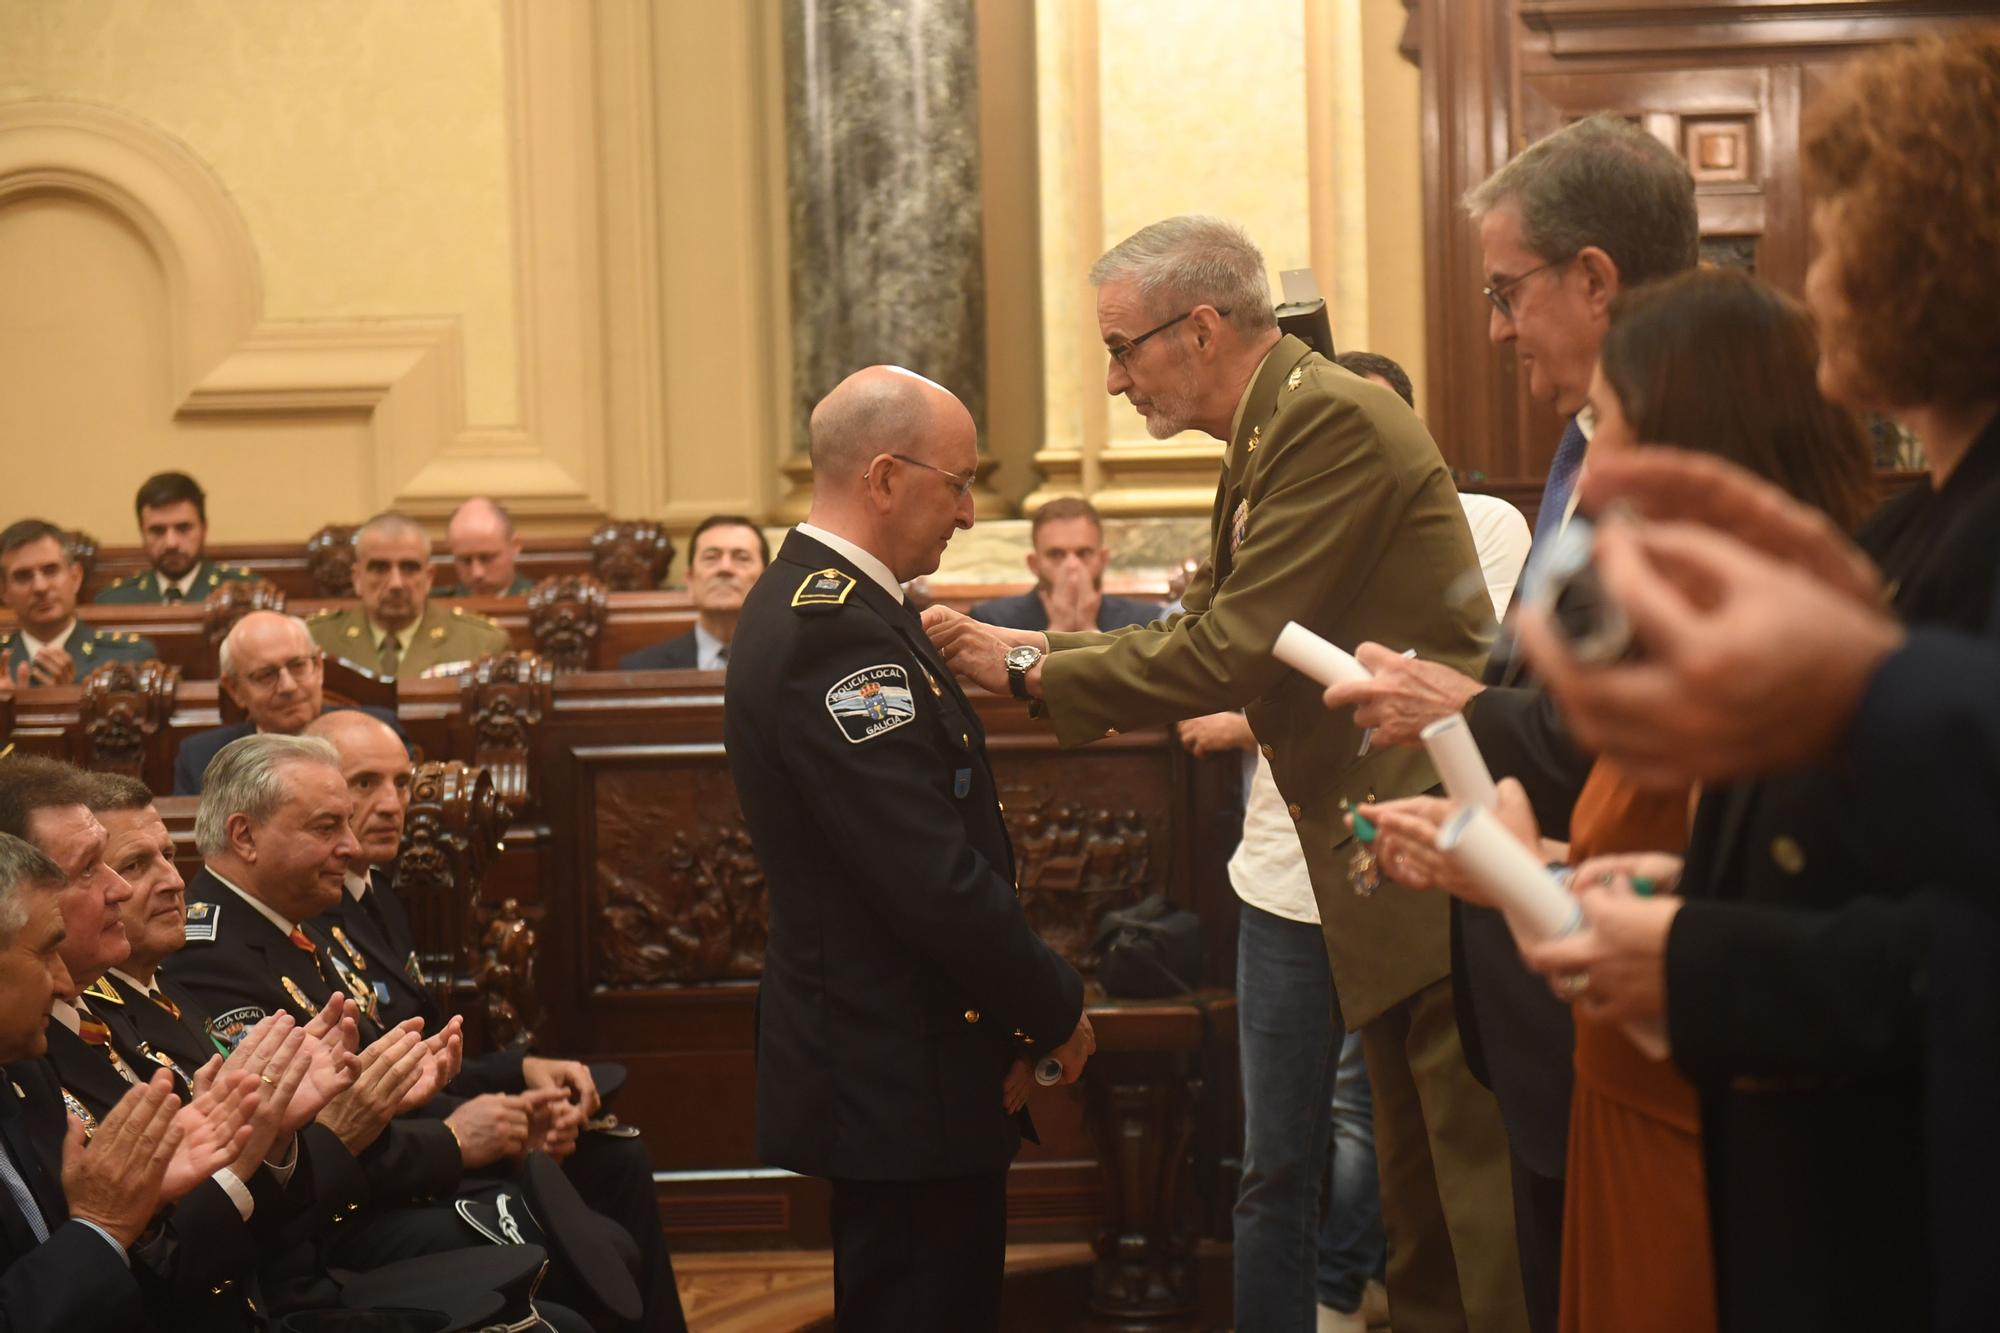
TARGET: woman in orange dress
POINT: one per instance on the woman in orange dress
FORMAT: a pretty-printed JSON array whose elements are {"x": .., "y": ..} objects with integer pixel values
[{"x": 1717, "y": 361}]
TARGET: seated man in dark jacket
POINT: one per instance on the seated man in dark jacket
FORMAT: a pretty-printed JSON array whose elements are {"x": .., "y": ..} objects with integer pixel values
[
  {"x": 725, "y": 556},
  {"x": 276, "y": 673},
  {"x": 1068, "y": 563}
]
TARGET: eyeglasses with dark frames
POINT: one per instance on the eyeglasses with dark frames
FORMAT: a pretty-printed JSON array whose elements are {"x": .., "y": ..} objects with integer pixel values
[
  {"x": 299, "y": 668},
  {"x": 962, "y": 482},
  {"x": 1497, "y": 293},
  {"x": 1124, "y": 350}
]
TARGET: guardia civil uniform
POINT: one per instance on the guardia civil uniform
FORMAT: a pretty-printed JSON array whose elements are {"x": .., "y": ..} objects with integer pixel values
[
  {"x": 900, "y": 968},
  {"x": 1335, "y": 509},
  {"x": 91, "y": 649},
  {"x": 520, "y": 587},
  {"x": 151, "y": 588},
  {"x": 442, "y": 634}
]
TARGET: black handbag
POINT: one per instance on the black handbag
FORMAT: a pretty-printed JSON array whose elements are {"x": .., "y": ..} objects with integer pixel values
[{"x": 1149, "y": 950}]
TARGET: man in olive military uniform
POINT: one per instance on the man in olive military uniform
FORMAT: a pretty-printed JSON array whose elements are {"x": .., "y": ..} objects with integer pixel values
[
  {"x": 397, "y": 630},
  {"x": 173, "y": 529},
  {"x": 1334, "y": 509},
  {"x": 902, "y": 986},
  {"x": 484, "y": 547},
  {"x": 40, "y": 583}
]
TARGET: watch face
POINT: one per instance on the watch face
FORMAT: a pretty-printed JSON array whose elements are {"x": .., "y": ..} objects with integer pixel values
[{"x": 1023, "y": 657}]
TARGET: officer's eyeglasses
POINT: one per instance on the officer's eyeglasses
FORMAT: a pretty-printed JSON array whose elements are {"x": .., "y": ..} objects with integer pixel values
[
  {"x": 300, "y": 668},
  {"x": 960, "y": 481},
  {"x": 1498, "y": 292},
  {"x": 1122, "y": 352}
]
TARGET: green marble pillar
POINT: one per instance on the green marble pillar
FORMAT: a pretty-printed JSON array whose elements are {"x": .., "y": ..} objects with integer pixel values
[{"x": 882, "y": 148}]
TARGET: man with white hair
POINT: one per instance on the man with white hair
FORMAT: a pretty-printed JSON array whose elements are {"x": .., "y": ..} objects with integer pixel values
[
  {"x": 903, "y": 990},
  {"x": 396, "y": 631},
  {"x": 276, "y": 674},
  {"x": 1335, "y": 510}
]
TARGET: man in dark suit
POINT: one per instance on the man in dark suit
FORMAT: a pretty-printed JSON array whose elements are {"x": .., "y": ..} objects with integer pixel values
[
  {"x": 39, "y": 581},
  {"x": 1578, "y": 216},
  {"x": 64, "y": 1234},
  {"x": 1068, "y": 558},
  {"x": 376, "y": 950},
  {"x": 902, "y": 986},
  {"x": 276, "y": 673},
  {"x": 726, "y": 555}
]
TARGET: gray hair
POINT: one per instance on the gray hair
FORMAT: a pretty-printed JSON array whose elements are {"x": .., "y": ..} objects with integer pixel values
[
  {"x": 1604, "y": 182},
  {"x": 390, "y": 523},
  {"x": 22, "y": 866},
  {"x": 225, "y": 656},
  {"x": 1191, "y": 260},
  {"x": 245, "y": 779}
]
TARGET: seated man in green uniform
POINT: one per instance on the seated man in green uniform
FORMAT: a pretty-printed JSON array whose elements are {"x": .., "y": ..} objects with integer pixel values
[
  {"x": 484, "y": 547},
  {"x": 396, "y": 631},
  {"x": 1333, "y": 509},
  {"x": 173, "y": 528},
  {"x": 51, "y": 646}
]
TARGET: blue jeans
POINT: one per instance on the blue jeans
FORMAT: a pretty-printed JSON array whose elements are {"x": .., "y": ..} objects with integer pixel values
[
  {"x": 1352, "y": 1247},
  {"x": 1286, "y": 1260}
]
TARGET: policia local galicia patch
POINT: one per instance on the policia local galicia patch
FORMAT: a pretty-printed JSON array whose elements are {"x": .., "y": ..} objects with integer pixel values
[{"x": 871, "y": 701}]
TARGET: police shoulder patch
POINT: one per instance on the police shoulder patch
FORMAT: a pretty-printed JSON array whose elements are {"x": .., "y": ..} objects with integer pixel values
[
  {"x": 872, "y": 701},
  {"x": 201, "y": 922},
  {"x": 226, "y": 1030},
  {"x": 823, "y": 588}
]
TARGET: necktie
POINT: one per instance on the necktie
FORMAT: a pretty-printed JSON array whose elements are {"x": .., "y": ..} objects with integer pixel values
[
  {"x": 17, "y": 1187},
  {"x": 159, "y": 997},
  {"x": 722, "y": 654},
  {"x": 1562, "y": 480},
  {"x": 172, "y": 594},
  {"x": 91, "y": 1028},
  {"x": 301, "y": 940},
  {"x": 392, "y": 655}
]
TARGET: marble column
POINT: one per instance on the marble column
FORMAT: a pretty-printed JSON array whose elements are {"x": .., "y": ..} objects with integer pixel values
[{"x": 882, "y": 148}]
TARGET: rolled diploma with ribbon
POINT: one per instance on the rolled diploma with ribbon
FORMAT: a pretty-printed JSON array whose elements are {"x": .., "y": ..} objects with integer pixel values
[
  {"x": 1048, "y": 1071},
  {"x": 1459, "y": 762},
  {"x": 1515, "y": 878},
  {"x": 1303, "y": 650}
]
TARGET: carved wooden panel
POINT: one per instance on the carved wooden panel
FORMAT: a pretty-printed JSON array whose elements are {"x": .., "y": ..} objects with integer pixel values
[
  {"x": 566, "y": 614},
  {"x": 230, "y": 602},
  {"x": 503, "y": 698},
  {"x": 631, "y": 554},
  {"x": 330, "y": 557},
  {"x": 123, "y": 705}
]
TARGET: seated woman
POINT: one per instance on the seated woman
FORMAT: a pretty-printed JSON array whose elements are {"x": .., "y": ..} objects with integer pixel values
[{"x": 1716, "y": 361}]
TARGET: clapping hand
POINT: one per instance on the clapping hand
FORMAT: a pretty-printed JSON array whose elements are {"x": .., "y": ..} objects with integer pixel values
[{"x": 113, "y": 1178}]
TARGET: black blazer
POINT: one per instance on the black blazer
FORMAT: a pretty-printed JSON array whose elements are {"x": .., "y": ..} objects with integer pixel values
[
  {"x": 379, "y": 931},
  {"x": 191, "y": 760},
  {"x": 1800, "y": 1064},
  {"x": 1026, "y": 611},
  {"x": 899, "y": 964},
  {"x": 675, "y": 654},
  {"x": 237, "y": 964},
  {"x": 73, "y": 1282}
]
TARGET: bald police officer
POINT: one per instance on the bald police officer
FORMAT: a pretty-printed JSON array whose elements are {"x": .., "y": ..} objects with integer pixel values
[{"x": 902, "y": 986}]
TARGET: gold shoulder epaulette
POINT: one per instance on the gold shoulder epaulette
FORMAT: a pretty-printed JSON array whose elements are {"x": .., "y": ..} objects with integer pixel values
[
  {"x": 824, "y": 588},
  {"x": 464, "y": 614},
  {"x": 324, "y": 613}
]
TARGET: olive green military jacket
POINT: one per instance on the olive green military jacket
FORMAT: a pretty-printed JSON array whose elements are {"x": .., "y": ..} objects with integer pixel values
[
  {"x": 147, "y": 589},
  {"x": 444, "y": 634},
  {"x": 1335, "y": 510},
  {"x": 89, "y": 648}
]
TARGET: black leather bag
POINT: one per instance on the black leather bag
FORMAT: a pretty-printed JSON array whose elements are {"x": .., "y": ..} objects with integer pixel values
[{"x": 1149, "y": 950}]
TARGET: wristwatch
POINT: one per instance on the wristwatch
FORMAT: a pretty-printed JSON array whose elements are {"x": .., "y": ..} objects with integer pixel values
[{"x": 1019, "y": 660}]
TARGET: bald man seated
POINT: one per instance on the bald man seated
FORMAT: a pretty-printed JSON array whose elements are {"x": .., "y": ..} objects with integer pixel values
[
  {"x": 484, "y": 547},
  {"x": 276, "y": 673}
]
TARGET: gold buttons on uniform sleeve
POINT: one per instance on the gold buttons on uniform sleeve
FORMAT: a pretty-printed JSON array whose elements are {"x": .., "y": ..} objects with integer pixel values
[{"x": 972, "y": 1015}]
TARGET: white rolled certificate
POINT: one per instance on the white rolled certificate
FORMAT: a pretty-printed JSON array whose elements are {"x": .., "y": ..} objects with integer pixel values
[
  {"x": 1459, "y": 762},
  {"x": 1513, "y": 876},
  {"x": 1303, "y": 650}
]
